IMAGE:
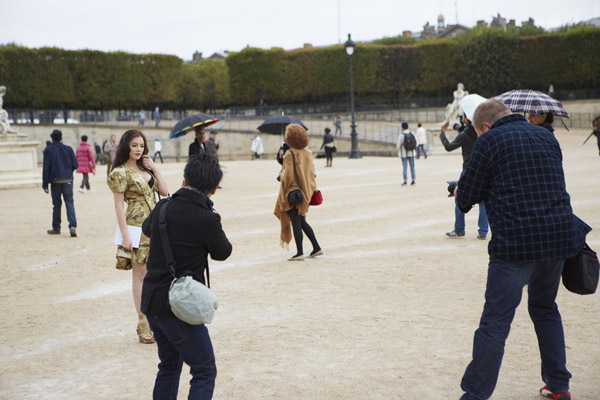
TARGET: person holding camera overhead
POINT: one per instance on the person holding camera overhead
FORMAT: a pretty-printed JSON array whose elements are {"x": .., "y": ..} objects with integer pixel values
[
  {"x": 465, "y": 140},
  {"x": 134, "y": 179},
  {"x": 298, "y": 174}
]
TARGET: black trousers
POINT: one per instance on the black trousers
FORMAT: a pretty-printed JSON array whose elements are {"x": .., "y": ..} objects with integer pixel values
[
  {"x": 299, "y": 224},
  {"x": 86, "y": 181},
  {"x": 328, "y": 153}
]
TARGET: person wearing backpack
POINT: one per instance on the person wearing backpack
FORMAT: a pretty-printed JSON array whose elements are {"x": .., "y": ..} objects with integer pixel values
[{"x": 406, "y": 144}]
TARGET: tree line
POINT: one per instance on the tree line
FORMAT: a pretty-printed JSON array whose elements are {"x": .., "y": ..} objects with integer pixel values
[{"x": 487, "y": 60}]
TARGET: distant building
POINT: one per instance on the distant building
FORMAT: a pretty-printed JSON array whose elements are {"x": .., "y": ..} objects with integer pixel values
[
  {"x": 499, "y": 22},
  {"x": 197, "y": 57},
  {"x": 441, "y": 30}
]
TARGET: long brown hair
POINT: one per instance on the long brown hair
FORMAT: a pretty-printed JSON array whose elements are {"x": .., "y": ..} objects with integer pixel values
[{"x": 123, "y": 149}]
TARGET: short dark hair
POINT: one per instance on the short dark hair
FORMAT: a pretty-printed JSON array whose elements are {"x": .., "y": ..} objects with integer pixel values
[
  {"x": 84, "y": 138},
  {"x": 419, "y": 124},
  {"x": 405, "y": 125},
  {"x": 203, "y": 172}
]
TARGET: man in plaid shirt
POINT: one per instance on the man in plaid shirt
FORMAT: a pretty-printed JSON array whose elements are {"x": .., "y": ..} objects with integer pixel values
[{"x": 516, "y": 169}]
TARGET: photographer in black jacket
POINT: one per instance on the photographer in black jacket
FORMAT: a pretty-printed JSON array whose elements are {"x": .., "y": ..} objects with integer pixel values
[
  {"x": 465, "y": 140},
  {"x": 195, "y": 232}
]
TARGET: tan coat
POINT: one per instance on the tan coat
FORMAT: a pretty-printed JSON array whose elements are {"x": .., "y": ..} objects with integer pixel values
[{"x": 308, "y": 184}]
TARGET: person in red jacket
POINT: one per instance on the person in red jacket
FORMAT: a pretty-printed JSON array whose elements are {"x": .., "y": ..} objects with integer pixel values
[{"x": 87, "y": 164}]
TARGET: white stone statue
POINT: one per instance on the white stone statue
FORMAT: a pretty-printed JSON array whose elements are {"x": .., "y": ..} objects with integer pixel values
[
  {"x": 453, "y": 108},
  {"x": 4, "y": 125}
]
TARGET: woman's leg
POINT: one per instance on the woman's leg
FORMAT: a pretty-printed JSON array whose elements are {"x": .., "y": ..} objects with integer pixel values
[
  {"x": 310, "y": 234},
  {"x": 137, "y": 280},
  {"x": 297, "y": 230}
]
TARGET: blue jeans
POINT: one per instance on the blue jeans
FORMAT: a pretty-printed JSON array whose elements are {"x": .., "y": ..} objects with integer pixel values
[
  {"x": 420, "y": 148},
  {"x": 459, "y": 220},
  {"x": 412, "y": 168},
  {"x": 179, "y": 342},
  {"x": 503, "y": 292},
  {"x": 65, "y": 190}
]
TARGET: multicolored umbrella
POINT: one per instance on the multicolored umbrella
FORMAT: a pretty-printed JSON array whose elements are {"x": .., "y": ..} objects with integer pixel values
[
  {"x": 190, "y": 122},
  {"x": 532, "y": 101}
]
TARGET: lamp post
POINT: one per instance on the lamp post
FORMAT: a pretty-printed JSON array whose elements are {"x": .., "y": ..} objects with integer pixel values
[{"x": 354, "y": 152}]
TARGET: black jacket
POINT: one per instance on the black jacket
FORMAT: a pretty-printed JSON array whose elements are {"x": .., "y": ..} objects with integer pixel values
[
  {"x": 195, "y": 232},
  {"x": 465, "y": 139},
  {"x": 195, "y": 148},
  {"x": 59, "y": 163}
]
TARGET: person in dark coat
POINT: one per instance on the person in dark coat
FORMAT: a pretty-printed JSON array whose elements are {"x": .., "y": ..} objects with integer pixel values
[
  {"x": 197, "y": 146},
  {"x": 329, "y": 146},
  {"x": 195, "y": 232},
  {"x": 516, "y": 168},
  {"x": 59, "y": 163},
  {"x": 465, "y": 140}
]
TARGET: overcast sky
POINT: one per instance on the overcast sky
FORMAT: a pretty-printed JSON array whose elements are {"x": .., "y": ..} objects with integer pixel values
[{"x": 181, "y": 27}]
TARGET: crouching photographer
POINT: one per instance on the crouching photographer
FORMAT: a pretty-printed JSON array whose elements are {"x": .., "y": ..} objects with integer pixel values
[{"x": 194, "y": 232}]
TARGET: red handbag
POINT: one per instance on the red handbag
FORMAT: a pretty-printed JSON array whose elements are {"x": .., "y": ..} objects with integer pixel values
[{"x": 317, "y": 198}]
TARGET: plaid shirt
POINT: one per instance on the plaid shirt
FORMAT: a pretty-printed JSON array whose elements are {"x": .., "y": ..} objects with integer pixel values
[{"x": 516, "y": 169}]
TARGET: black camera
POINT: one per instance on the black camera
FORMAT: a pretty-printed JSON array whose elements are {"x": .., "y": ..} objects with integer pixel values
[
  {"x": 459, "y": 126},
  {"x": 451, "y": 187}
]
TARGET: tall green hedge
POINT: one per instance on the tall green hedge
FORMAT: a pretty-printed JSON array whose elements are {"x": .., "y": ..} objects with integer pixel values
[{"x": 488, "y": 61}]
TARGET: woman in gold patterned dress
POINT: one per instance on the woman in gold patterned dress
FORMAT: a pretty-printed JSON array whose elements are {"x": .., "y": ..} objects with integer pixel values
[{"x": 134, "y": 179}]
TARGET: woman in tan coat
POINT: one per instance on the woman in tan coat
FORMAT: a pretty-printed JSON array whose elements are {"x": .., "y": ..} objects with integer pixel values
[{"x": 293, "y": 217}]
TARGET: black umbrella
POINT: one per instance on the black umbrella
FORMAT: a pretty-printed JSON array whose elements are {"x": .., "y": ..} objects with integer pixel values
[
  {"x": 276, "y": 125},
  {"x": 191, "y": 122}
]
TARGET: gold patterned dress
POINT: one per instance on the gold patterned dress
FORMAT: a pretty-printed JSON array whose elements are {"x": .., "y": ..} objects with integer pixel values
[{"x": 140, "y": 200}]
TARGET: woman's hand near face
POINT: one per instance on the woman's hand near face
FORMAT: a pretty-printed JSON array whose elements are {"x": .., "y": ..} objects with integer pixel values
[{"x": 148, "y": 163}]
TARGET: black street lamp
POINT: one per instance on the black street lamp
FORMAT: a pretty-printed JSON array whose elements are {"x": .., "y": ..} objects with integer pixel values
[{"x": 354, "y": 152}]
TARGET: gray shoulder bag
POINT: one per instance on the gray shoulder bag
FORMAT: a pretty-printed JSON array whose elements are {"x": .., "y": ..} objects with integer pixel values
[{"x": 190, "y": 300}]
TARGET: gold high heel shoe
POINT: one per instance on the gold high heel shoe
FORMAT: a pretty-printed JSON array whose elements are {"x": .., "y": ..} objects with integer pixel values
[{"x": 144, "y": 332}]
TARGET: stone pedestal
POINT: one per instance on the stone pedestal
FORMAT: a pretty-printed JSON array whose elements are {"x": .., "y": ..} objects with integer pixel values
[{"x": 18, "y": 162}]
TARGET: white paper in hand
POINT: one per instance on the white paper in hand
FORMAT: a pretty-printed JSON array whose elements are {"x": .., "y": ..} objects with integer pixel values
[{"x": 135, "y": 234}]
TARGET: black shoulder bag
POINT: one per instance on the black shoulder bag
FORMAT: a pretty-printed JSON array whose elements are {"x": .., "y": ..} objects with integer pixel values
[{"x": 295, "y": 197}]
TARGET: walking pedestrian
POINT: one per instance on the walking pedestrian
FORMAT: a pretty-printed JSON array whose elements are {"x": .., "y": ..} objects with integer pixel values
[
  {"x": 59, "y": 164},
  {"x": 195, "y": 232},
  {"x": 406, "y": 151},
  {"x": 134, "y": 180},
  {"x": 156, "y": 117},
  {"x": 298, "y": 173},
  {"x": 257, "y": 147},
  {"x": 337, "y": 123},
  {"x": 87, "y": 164},
  {"x": 157, "y": 150},
  {"x": 110, "y": 148},
  {"x": 421, "y": 141},
  {"x": 211, "y": 145},
  {"x": 516, "y": 167}
]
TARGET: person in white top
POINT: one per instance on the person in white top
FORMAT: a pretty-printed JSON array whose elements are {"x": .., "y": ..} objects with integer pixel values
[
  {"x": 421, "y": 141},
  {"x": 157, "y": 150},
  {"x": 257, "y": 147}
]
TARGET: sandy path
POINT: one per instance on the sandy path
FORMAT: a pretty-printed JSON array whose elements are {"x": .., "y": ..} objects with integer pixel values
[{"x": 388, "y": 313}]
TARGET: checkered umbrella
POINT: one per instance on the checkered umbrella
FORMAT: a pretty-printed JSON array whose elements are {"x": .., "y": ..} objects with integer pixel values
[{"x": 532, "y": 101}]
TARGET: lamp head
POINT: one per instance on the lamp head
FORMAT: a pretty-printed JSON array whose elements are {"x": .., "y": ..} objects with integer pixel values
[{"x": 349, "y": 45}]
